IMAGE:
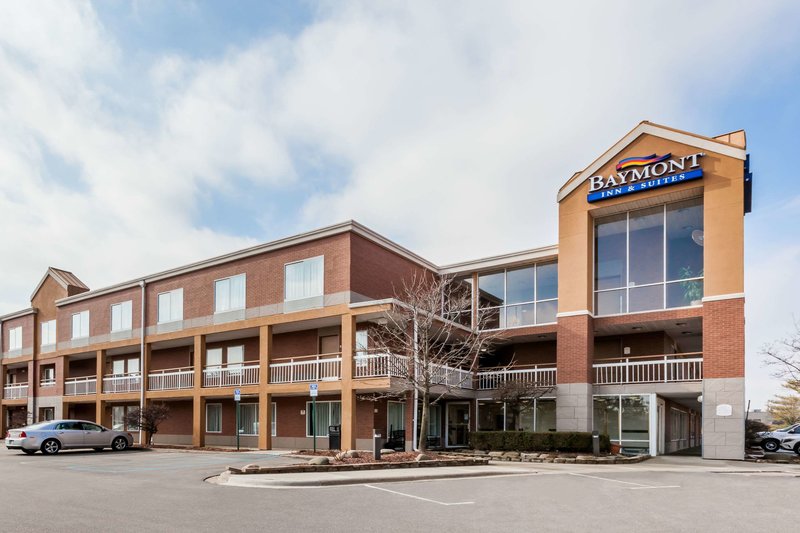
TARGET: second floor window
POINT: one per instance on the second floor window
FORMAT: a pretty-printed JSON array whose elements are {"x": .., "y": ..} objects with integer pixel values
[
  {"x": 305, "y": 279},
  {"x": 170, "y": 306},
  {"x": 122, "y": 316},
  {"x": 48, "y": 333},
  {"x": 519, "y": 297},
  {"x": 229, "y": 294},
  {"x": 48, "y": 376},
  {"x": 15, "y": 338},
  {"x": 80, "y": 325}
]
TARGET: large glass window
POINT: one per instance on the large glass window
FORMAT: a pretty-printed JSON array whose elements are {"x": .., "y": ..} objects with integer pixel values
[
  {"x": 248, "y": 419},
  {"x": 395, "y": 416},
  {"x": 649, "y": 259},
  {"x": 458, "y": 301},
  {"x": 48, "y": 333},
  {"x": 229, "y": 294},
  {"x": 535, "y": 415},
  {"x": 80, "y": 325},
  {"x": 213, "y": 418},
  {"x": 122, "y": 316},
  {"x": 519, "y": 297},
  {"x": 327, "y": 414},
  {"x": 624, "y": 418},
  {"x": 170, "y": 306},
  {"x": 304, "y": 279}
]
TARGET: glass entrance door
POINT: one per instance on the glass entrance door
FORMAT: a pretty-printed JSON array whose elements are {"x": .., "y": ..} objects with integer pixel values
[{"x": 457, "y": 424}]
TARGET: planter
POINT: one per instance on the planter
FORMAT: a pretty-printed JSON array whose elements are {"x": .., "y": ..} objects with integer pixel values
[{"x": 615, "y": 448}]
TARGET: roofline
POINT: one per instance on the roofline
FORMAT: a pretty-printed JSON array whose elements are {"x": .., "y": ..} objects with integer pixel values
[
  {"x": 17, "y": 314},
  {"x": 320, "y": 233},
  {"x": 656, "y": 130},
  {"x": 501, "y": 260}
]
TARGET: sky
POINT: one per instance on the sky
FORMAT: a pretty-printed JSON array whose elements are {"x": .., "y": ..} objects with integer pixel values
[{"x": 141, "y": 135}]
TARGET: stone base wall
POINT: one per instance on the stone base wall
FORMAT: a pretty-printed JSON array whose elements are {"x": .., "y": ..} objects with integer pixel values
[
  {"x": 574, "y": 407},
  {"x": 723, "y": 436}
]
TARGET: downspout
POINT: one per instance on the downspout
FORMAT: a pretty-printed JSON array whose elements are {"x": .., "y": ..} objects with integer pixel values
[
  {"x": 142, "y": 327},
  {"x": 414, "y": 446}
]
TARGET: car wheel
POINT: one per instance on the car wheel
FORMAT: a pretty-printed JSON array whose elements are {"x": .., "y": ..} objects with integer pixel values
[
  {"x": 771, "y": 445},
  {"x": 50, "y": 446},
  {"x": 797, "y": 448},
  {"x": 119, "y": 444},
  {"x": 28, "y": 452}
]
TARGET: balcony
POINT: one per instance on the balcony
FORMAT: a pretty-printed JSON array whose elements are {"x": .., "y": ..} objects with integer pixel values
[
  {"x": 120, "y": 383},
  {"x": 47, "y": 382},
  {"x": 535, "y": 375},
  {"x": 231, "y": 375},
  {"x": 649, "y": 369},
  {"x": 376, "y": 365},
  {"x": 15, "y": 391},
  {"x": 448, "y": 375},
  {"x": 171, "y": 379},
  {"x": 323, "y": 367},
  {"x": 80, "y": 386}
]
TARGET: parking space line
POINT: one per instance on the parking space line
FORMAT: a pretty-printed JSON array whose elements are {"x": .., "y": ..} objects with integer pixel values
[
  {"x": 639, "y": 486},
  {"x": 418, "y": 497}
]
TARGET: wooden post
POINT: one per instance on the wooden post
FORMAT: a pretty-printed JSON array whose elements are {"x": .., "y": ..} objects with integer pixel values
[
  {"x": 264, "y": 398},
  {"x": 198, "y": 404}
]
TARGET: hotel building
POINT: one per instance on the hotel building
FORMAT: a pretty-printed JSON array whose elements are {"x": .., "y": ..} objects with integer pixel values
[{"x": 635, "y": 321}]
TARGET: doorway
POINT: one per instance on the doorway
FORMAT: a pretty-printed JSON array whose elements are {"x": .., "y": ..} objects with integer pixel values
[{"x": 457, "y": 424}]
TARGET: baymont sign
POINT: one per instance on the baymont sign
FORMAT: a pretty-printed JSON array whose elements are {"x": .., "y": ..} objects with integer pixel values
[{"x": 636, "y": 174}]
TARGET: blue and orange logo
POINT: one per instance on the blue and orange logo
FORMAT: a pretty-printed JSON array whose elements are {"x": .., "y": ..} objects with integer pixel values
[{"x": 641, "y": 161}]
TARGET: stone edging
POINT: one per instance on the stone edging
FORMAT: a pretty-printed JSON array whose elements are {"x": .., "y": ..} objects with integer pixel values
[
  {"x": 554, "y": 457},
  {"x": 299, "y": 469}
]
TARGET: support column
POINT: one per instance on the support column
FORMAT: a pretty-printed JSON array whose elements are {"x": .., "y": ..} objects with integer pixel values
[
  {"x": 575, "y": 353},
  {"x": 3, "y": 372},
  {"x": 264, "y": 398},
  {"x": 348, "y": 393},
  {"x": 144, "y": 437},
  {"x": 100, "y": 370},
  {"x": 198, "y": 403}
]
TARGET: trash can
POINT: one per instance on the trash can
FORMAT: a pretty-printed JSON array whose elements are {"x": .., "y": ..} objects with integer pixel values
[{"x": 334, "y": 437}]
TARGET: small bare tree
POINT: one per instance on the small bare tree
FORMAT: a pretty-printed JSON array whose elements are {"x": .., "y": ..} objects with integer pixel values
[
  {"x": 147, "y": 419},
  {"x": 430, "y": 326},
  {"x": 784, "y": 356},
  {"x": 520, "y": 395}
]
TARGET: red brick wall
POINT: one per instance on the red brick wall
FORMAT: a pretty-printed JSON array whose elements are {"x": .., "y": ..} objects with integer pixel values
[
  {"x": 723, "y": 339},
  {"x": 296, "y": 343},
  {"x": 655, "y": 343},
  {"x": 58, "y": 388},
  {"x": 27, "y": 331},
  {"x": 250, "y": 348},
  {"x": 82, "y": 368},
  {"x": 99, "y": 313},
  {"x": 375, "y": 271},
  {"x": 179, "y": 357},
  {"x": 524, "y": 353},
  {"x": 180, "y": 418},
  {"x": 575, "y": 339},
  {"x": 82, "y": 411}
]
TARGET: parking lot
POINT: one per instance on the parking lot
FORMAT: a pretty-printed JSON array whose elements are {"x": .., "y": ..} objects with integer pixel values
[{"x": 164, "y": 490}]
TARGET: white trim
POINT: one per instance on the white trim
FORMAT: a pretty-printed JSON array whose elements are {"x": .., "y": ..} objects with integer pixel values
[
  {"x": 575, "y": 313},
  {"x": 732, "y": 296},
  {"x": 18, "y": 314},
  {"x": 647, "y": 128},
  {"x": 535, "y": 254},
  {"x": 666, "y": 309}
]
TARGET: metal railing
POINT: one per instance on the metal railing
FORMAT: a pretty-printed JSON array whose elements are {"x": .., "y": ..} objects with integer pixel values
[
  {"x": 80, "y": 386},
  {"x": 448, "y": 375},
  {"x": 171, "y": 379},
  {"x": 323, "y": 367},
  {"x": 47, "y": 383},
  {"x": 231, "y": 375},
  {"x": 119, "y": 383},
  {"x": 16, "y": 391},
  {"x": 373, "y": 365},
  {"x": 649, "y": 369},
  {"x": 539, "y": 375}
]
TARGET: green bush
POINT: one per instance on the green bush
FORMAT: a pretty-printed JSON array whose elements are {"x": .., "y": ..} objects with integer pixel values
[{"x": 527, "y": 441}]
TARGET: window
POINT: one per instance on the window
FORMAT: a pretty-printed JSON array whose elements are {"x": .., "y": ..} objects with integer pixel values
[
  {"x": 229, "y": 294},
  {"x": 362, "y": 340},
  {"x": 120, "y": 367},
  {"x": 304, "y": 279},
  {"x": 235, "y": 357},
  {"x": 213, "y": 418},
  {"x": 649, "y": 259},
  {"x": 170, "y": 306},
  {"x": 118, "y": 414},
  {"x": 624, "y": 418},
  {"x": 214, "y": 358},
  {"x": 46, "y": 414},
  {"x": 519, "y": 297},
  {"x": 274, "y": 421},
  {"x": 457, "y": 301},
  {"x": 328, "y": 414},
  {"x": 248, "y": 419},
  {"x": 122, "y": 316},
  {"x": 48, "y": 376},
  {"x": 395, "y": 416},
  {"x": 48, "y": 333},
  {"x": 533, "y": 415},
  {"x": 80, "y": 325},
  {"x": 15, "y": 338}
]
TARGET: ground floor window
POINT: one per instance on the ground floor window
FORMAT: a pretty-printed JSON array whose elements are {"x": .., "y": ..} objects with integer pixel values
[
  {"x": 118, "y": 414},
  {"x": 327, "y": 414},
  {"x": 624, "y": 418},
  {"x": 535, "y": 415},
  {"x": 213, "y": 418},
  {"x": 395, "y": 416},
  {"x": 248, "y": 419},
  {"x": 274, "y": 420},
  {"x": 47, "y": 414}
]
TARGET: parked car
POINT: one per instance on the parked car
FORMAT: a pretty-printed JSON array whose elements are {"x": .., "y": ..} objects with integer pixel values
[
  {"x": 772, "y": 441},
  {"x": 792, "y": 442},
  {"x": 55, "y": 435}
]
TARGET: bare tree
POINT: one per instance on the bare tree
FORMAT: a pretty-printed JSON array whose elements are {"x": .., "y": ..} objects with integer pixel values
[
  {"x": 147, "y": 419},
  {"x": 430, "y": 329},
  {"x": 784, "y": 356},
  {"x": 520, "y": 395}
]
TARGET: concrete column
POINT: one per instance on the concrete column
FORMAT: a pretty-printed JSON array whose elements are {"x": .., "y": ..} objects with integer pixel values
[
  {"x": 264, "y": 398},
  {"x": 348, "y": 394},
  {"x": 198, "y": 403},
  {"x": 575, "y": 352}
]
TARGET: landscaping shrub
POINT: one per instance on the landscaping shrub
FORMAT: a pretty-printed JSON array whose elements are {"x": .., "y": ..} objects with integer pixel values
[{"x": 528, "y": 441}]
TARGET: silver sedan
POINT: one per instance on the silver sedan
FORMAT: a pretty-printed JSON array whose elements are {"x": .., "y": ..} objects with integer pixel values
[{"x": 55, "y": 435}]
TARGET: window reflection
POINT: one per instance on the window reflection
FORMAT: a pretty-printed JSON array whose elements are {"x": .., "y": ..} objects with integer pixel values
[{"x": 519, "y": 297}]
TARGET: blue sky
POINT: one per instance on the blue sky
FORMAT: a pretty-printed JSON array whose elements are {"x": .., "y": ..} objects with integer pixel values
[{"x": 188, "y": 129}]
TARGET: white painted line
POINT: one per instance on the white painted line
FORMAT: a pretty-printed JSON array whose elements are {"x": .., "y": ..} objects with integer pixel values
[
  {"x": 658, "y": 487},
  {"x": 639, "y": 486},
  {"x": 418, "y": 497}
]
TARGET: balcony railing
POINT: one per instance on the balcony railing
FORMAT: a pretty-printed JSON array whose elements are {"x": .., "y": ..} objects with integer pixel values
[
  {"x": 649, "y": 369},
  {"x": 536, "y": 375},
  {"x": 80, "y": 386},
  {"x": 16, "y": 391},
  {"x": 47, "y": 382},
  {"x": 373, "y": 365},
  {"x": 119, "y": 383},
  {"x": 171, "y": 379},
  {"x": 448, "y": 375},
  {"x": 231, "y": 375},
  {"x": 323, "y": 367}
]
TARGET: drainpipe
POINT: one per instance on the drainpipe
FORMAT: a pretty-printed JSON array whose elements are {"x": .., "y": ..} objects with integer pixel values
[{"x": 142, "y": 369}]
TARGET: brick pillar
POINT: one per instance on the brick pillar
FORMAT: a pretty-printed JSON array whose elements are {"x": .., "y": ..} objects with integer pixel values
[
  {"x": 575, "y": 352},
  {"x": 264, "y": 397},
  {"x": 723, "y": 379},
  {"x": 3, "y": 371},
  {"x": 348, "y": 393},
  {"x": 145, "y": 370},
  {"x": 198, "y": 403}
]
